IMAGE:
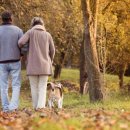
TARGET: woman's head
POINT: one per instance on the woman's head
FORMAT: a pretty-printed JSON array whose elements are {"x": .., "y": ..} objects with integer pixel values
[{"x": 37, "y": 21}]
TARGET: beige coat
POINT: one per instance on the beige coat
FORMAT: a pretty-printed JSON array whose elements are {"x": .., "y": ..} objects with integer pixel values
[{"x": 41, "y": 51}]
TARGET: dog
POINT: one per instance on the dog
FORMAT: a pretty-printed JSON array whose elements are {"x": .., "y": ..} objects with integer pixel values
[{"x": 55, "y": 94}]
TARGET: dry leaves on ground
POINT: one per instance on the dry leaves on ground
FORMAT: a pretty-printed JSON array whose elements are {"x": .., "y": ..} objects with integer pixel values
[{"x": 86, "y": 119}]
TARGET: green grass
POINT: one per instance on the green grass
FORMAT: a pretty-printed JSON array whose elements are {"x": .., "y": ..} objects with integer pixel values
[
  {"x": 79, "y": 120},
  {"x": 113, "y": 99},
  {"x": 73, "y": 76},
  {"x": 75, "y": 103},
  {"x": 70, "y": 75}
]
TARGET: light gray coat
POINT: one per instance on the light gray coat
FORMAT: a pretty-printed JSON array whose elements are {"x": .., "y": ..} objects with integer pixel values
[{"x": 41, "y": 51}]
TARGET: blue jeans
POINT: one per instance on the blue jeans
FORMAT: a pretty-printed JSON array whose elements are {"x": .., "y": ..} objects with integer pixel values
[{"x": 13, "y": 70}]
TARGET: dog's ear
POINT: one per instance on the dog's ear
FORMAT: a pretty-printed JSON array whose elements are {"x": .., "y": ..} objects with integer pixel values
[{"x": 50, "y": 85}]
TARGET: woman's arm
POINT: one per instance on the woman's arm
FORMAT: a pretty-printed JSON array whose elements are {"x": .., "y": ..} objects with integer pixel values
[
  {"x": 51, "y": 48},
  {"x": 24, "y": 39}
]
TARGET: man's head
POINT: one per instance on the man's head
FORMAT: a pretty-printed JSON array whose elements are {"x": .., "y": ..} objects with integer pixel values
[{"x": 6, "y": 17}]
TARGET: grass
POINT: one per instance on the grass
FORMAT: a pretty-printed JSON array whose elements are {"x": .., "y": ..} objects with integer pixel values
[
  {"x": 114, "y": 99},
  {"x": 75, "y": 104},
  {"x": 70, "y": 75}
]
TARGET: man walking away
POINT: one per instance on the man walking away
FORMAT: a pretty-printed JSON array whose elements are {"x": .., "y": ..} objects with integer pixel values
[{"x": 9, "y": 62}]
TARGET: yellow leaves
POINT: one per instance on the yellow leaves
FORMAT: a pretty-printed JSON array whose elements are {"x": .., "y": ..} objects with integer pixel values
[
  {"x": 2, "y": 8},
  {"x": 21, "y": 13},
  {"x": 121, "y": 30},
  {"x": 114, "y": 27},
  {"x": 71, "y": 128},
  {"x": 42, "y": 121},
  {"x": 64, "y": 115},
  {"x": 124, "y": 126}
]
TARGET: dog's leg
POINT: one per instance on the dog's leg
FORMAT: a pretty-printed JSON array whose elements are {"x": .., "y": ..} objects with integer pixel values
[
  {"x": 49, "y": 103},
  {"x": 60, "y": 103},
  {"x": 52, "y": 104}
]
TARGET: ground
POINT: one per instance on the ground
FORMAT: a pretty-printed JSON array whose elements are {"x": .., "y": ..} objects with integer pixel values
[{"x": 77, "y": 113}]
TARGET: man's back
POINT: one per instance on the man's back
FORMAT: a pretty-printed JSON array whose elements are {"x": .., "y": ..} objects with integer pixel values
[
  {"x": 10, "y": 64},
  {"x": 9, "y": 36}
]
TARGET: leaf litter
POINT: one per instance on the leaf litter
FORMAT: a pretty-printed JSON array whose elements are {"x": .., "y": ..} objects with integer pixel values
[{"x": 88, "y": 119}]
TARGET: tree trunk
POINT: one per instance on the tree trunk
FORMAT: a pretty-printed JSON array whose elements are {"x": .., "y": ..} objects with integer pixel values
[
  {"x": 69, "y": 60},
  {"x": 121, "y": 73},
  {"x": 58, "y": 67},
  {"x": 62, "y": 58},
  {"x": 57, "y": 71},
  {"x": 83, "y": 71},
  {"x": 89, "y": 10}
]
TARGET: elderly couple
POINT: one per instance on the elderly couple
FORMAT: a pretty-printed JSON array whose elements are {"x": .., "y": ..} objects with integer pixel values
[{"x": 39, "y": 64}]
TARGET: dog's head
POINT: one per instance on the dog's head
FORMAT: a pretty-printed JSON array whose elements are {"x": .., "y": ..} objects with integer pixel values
[{"x": 55, "y": 89}]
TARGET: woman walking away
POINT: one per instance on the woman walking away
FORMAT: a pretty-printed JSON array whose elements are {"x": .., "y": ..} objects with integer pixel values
[{"x": 39, "y": 62}]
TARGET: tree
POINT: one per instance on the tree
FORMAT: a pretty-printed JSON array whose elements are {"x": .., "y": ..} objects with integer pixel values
[
  {"x": 62, "y": 20},
  {"x": 114, "y": 27},
  {"x": 69, "y": 36},
  {"x": 89, "y": 9},
  {"x": 83, "y": 71}
]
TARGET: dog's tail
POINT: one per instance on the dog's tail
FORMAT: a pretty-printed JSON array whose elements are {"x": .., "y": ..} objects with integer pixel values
[{"x": 60, "y": 86}]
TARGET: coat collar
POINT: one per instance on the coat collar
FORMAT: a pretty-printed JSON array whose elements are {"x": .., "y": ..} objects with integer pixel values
[{"x": 39, "y": 27}]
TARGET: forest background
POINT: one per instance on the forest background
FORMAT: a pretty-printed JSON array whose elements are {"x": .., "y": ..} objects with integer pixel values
[{"x": 98, "y": 29}]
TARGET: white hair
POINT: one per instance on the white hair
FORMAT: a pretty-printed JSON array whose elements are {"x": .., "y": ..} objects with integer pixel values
[{"x": 37, "y": 20}]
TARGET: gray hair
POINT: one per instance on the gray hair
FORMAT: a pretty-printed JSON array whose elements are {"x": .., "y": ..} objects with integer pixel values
[{"x": 37, "y": 21}]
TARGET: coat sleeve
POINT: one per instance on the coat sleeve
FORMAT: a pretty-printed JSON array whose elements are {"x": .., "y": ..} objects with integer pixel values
[
  {"x": 51, "y": 48},
  {"x": 24, "y": 39}
]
